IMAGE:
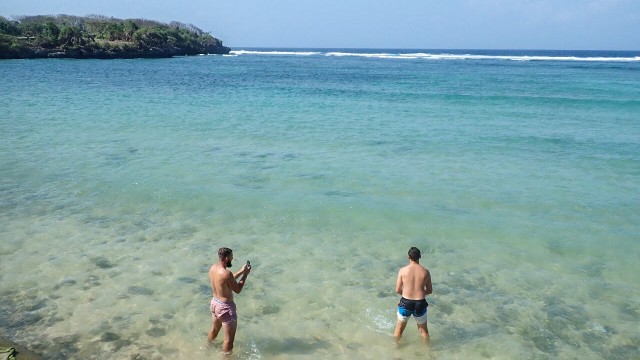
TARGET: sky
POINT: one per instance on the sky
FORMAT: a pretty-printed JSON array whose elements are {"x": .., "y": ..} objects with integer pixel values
[{"x": 407, "y": 24}]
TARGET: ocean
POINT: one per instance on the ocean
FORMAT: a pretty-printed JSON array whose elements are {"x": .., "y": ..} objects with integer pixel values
[{"x": 517, "y": 173}]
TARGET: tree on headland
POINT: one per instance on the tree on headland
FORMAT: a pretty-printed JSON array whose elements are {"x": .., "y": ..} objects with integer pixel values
[
  {"x": 71, "y": 35},
  {"x": 97, "y": 36}
]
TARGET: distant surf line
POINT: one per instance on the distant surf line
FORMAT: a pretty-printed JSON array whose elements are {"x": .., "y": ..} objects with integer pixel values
[{"x": 436, "y": 56}]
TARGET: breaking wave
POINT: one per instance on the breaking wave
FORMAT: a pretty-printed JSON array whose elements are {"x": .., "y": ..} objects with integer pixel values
[{"x": 440, "y": 56}]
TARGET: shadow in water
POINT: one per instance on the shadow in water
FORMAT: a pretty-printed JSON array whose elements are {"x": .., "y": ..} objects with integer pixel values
[{"x": 297, "y": 346}]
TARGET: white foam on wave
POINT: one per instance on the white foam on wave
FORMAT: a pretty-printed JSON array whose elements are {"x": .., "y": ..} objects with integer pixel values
[
  {"x": 254, "y": 352},
  {"x": 367, "y": 55},
  {"x": 255, "y": 52},
  {"x": 378, "y": 321},
  {"x": 433, "y": 56},
  {"x": 445, "y": 56}
]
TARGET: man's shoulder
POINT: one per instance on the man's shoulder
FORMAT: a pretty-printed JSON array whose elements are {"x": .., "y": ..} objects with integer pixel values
[{"x": 217, "y": 270}]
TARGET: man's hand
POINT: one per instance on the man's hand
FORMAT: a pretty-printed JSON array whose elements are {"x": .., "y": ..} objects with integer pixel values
[{"x": 246, "y": 269}]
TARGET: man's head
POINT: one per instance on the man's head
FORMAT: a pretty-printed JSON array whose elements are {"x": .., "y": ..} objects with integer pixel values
[
  {"x": 225, "y": 254},
  {"x": 414, "y": 254}
]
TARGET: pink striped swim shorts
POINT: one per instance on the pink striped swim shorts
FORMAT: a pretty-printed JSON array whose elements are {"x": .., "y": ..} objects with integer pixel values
[{"x": 224, "y": 311}]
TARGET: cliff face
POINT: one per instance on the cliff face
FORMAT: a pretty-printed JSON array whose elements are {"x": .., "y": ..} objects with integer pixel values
[{"x": 64, "y": 36}]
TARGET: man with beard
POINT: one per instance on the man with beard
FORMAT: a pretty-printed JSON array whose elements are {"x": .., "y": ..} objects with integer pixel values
[{"x": 223, "y": 309}]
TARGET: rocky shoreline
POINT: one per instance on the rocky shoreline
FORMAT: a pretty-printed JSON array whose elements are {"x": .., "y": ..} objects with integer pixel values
[{"x": 100, "y": 53}]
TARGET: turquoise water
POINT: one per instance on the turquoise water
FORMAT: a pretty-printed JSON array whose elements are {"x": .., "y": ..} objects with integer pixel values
[{"x": 516, "y": 174}]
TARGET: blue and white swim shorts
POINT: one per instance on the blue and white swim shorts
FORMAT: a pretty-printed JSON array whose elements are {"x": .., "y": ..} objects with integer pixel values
[{"x": 417, "y": 308}]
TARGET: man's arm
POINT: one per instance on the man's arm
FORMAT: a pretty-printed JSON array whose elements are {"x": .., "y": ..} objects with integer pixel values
[
  {"x": 240, "y": 272},
  {"x": 427, "y": 284},
  {"x": 237, "y": 286},
  {"x": 399, "y": 283}
]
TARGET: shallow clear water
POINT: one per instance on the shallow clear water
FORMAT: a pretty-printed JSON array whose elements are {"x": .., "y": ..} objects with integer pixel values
[{"x": 518, "y": 179}]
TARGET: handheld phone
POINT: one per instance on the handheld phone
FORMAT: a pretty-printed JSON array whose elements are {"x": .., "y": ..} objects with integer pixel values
[{"x": 248, "y": 263}]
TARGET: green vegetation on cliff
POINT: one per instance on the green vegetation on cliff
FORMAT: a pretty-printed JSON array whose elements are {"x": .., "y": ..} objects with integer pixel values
[{"x": 95, "y": 36}]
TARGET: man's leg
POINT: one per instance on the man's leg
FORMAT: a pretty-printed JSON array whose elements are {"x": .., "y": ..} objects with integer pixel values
[
  {"x": 215, "y": 328},
  {"x": 229, "y": 336},
  {"x": 400, "y": 325},
  {"x": 424, "y": 332}
]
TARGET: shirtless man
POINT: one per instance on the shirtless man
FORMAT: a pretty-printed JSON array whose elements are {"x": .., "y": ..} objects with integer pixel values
[
  {"x": 414, "y": 283},
  {"x": 223, "y": 309}
]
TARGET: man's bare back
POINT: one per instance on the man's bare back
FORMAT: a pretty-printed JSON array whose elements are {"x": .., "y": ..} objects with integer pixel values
[
  {"x": 222, "y": 281},
  {"x": 414, "y": 282}
]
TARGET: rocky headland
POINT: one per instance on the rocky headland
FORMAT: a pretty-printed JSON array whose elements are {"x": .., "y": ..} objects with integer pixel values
[{"x": 100, "y": 37}]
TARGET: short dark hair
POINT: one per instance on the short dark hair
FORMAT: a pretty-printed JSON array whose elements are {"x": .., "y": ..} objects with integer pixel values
[
  {"x": 223, "y": 252},
  {"x": 414, "y": 253}
]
